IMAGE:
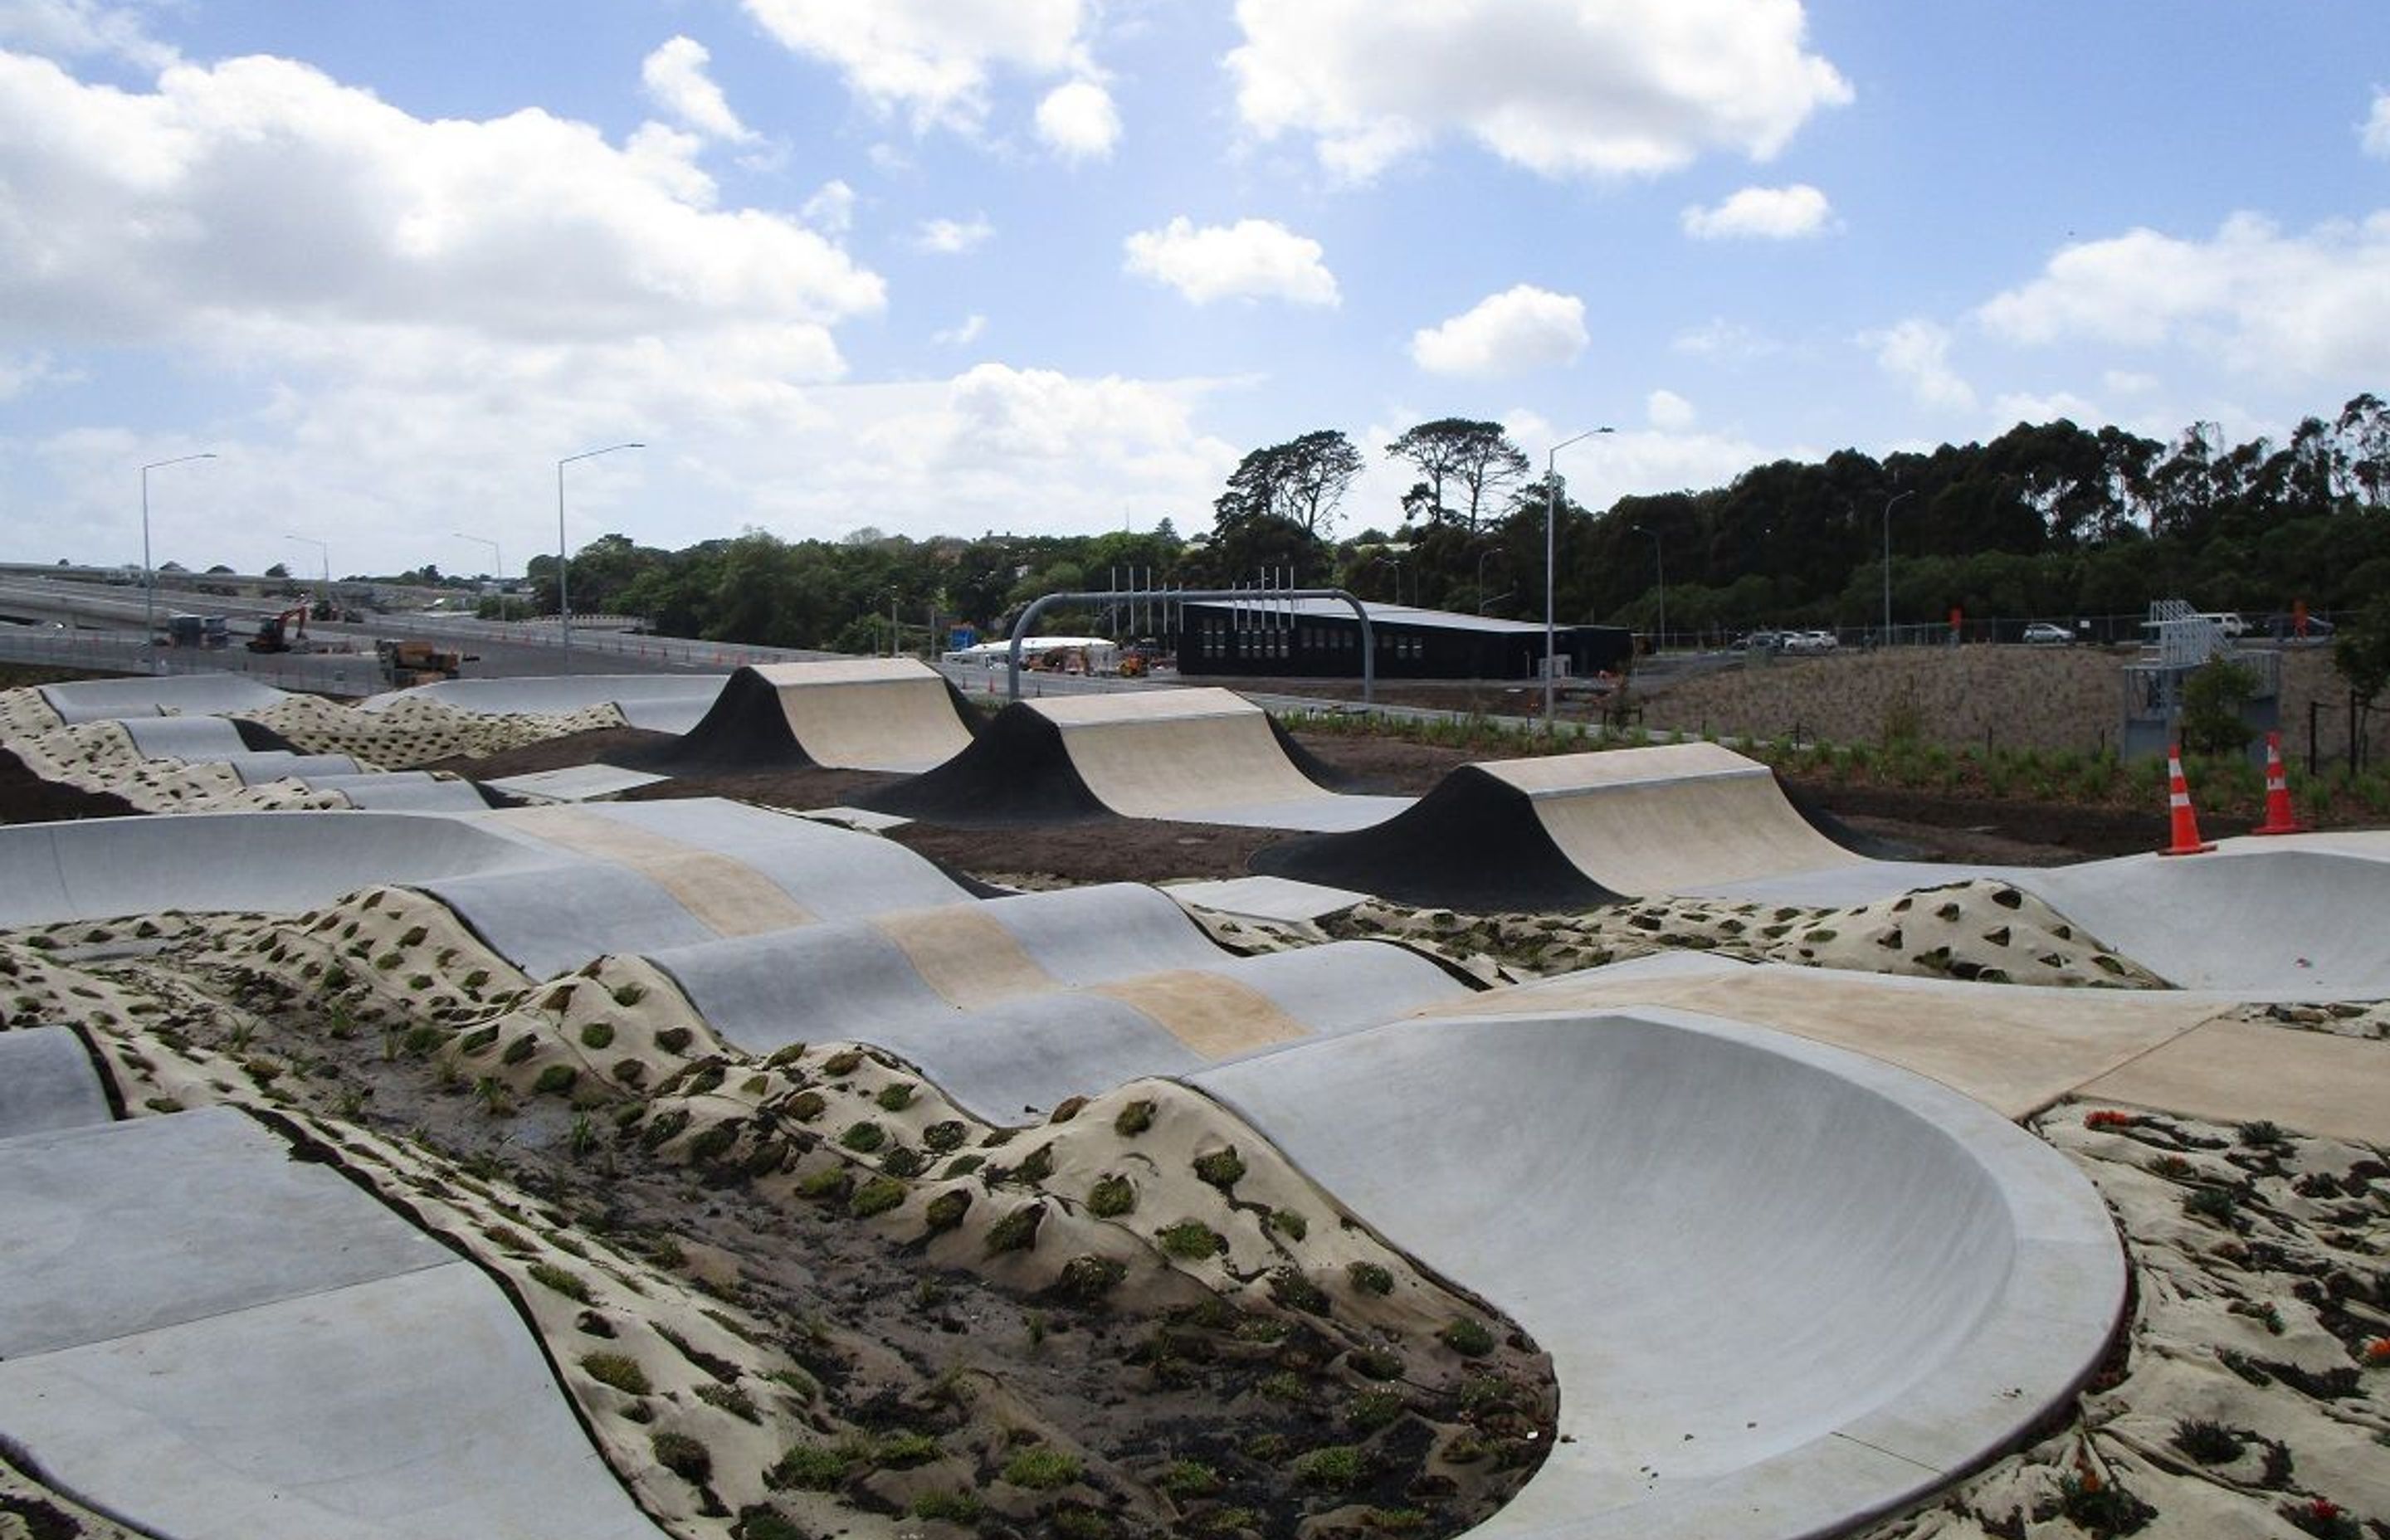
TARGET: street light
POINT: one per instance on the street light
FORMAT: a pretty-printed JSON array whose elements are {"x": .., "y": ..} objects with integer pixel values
[
  {"x": 1551, "y": 510},
  {"x": 563, "y": 594},
  {"x": 323, "y": 593},
  {"x": 1887, "y": 561},
  {"x": 1659, "y": 637},
  {"x": 497, "y": 559},
  {"x": 149, "y": 573}
]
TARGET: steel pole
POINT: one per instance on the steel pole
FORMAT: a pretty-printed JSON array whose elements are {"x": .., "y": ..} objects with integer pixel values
[
  {"x": 1551, "y": 510},
  {"x": 564, "y": 559},
  {"x": 148, "y": 572},
  {"x": 1887, "y": 561}
]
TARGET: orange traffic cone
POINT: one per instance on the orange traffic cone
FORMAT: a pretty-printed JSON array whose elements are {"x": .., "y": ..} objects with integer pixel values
[
  {"x": 2280, "y": 819},
  {"x": 2186, "y": 822}
]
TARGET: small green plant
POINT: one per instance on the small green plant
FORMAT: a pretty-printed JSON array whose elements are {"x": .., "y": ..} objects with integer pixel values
[
  {"x": 809, "y": 1468},
  {"x": 683, "y": 1456},
  {"x": 1040, "y": 1468},
  {"x": 863, "y": 1137},
  {"x": 1290, "y": 1224},
  {"x": 620, "y": 1370},
  {"x": 806, "y": 1106},
  {"x": 1469, "y": 1337},
  {"x": 569, "y": 1285},
  {"x": 2208, "y": 1442},
  {"x": 946, "y": 1210},
  {"x": 556, "y": 1080},
  {"x": 945, "y": 1137},
  {"x": 1221, "y": 1168},
  {"x": 1112, "y": 1197},
  {"x": 1370, "y": 1277},
  {"x": 844, "y": 1062},
  {"x": 894, "y": 1096},
  {"x": 903, "y": 1449},
  {"x": 674, "y": 1039},
  {"x": 958, "y": 1506},
  {"x": 1190, "y": 1240},
  {"x": 1291, "y": 1287},
  {"x": 1335, "y": 1467},
  {"x": 2102, "y": 1507},
  {"x": 1134, "y": 1119},
  {"x": 627, "y": 995},
  {"x": 1379, "y": 1406},
  {"x": 877, "y": 1196},
  {"x": 1091, "y": 1277},
  {"x": 581, "y": 1139},
  {"x": 1185, "y": 1478},
  {"x": 1016, "y": 1231}
]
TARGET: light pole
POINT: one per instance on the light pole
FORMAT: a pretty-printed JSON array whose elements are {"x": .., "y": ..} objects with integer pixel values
[
  {"x": 1551, "y": 511},
  {"x": 1660, "y": 563},
  {"x": 497, "y": 559},
  {"x": 563, "y": 593},
  {"x": 1887, "y": 561},
  {"x": 323, "y": 593},
  {"x": 149, "y": 573}
]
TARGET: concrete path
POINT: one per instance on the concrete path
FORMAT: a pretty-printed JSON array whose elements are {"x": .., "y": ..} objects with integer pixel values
[
  {"x": 660, "y": 702},
  {"x": 212, "y": 1339},
  {"x": 1017, "y": 1003},
  {"x": 1785, "y": 1288},
  {"x": 187, "y": 694},
  {"x": 850, "y": 713}
]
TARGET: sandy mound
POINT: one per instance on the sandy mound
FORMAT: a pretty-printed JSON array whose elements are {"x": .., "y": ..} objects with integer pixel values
[
  {"x": 1984, "y": 931},
  {"x": 417, "y": 731}
]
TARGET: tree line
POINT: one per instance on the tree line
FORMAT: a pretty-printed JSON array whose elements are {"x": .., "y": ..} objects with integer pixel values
[{"x": 2048, "y": 520}]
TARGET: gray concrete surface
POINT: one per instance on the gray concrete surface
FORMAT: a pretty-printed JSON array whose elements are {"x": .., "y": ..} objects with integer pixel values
[
  {"x": 190, "y": 694},
  {"x": 257, "y": 769},
  {"x": 212, "y": 1340},
  {"x": 579, "y": 783},
  {"x": 47, "y": 1083},
  {"x": 402, "y": 791},
  {"x": 661, "y": 702},
  {"x": 1785, "y": 1288}
]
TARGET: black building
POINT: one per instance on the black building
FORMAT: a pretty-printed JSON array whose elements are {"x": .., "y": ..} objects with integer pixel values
[{"x": 1321, "y": 638}]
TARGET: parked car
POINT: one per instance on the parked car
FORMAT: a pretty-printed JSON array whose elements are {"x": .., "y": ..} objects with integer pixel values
[
  {"x": 2047, "y": 634},
  {"x": 2285, "y": 628},
  {"x": 1758, "y": 641},
  {"x": 1809, "y": 643},
  {"x": 2230, "y": 624}
]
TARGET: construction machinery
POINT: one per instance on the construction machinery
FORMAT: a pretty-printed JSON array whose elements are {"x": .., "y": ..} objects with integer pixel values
[
  {"x": 405, "y": 665},
  {"x": 284, "y": 633}
]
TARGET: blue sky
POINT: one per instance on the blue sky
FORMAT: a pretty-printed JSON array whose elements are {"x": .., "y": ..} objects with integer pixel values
[{"x": 942, "y": 266}]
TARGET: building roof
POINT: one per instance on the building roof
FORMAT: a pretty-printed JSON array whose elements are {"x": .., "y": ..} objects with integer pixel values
[{"x": 1380, "y": 614}]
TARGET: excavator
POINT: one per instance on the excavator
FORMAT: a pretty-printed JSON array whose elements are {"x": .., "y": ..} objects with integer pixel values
[{"x": 283, "y": 632}]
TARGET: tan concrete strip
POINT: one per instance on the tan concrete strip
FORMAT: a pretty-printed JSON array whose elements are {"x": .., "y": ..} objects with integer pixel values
[
  {"x": 2240, "y": 1071},
  {"x": 1548, "y": 775},
  {"x": 902, "y": 722},
  {"x": 1166, "y": 766},
  {"x": 1215, "y": 1016},
  {"x": 731, "y": 898},
  {"x": 2014, "y": 1049},
  {"x": 965, "y": 955},
  {"x": 1664, "y": 837}
]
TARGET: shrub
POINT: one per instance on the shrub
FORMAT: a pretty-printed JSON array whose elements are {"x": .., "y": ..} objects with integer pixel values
[
  {"x": 620, "y": 1370},
  {"x": 1469, "y": 1337},
  {"x": 1190, "y": 1240},
  {"x": 1091, "y": 1277},
  {"x": 957, "y": 1507},
  {"x": 1112, "y": 1197},
  {"x": 1134, "y": 1119},
  {"x": 1040, "y": 1468},
  {"x": 1188, "y": 1479},
  {"x": 895, "y": 1095},
  {"x": 1221, "y": 1168},
  {"x": 945, "y": 1138},
  {"x": 946, "y": 1210},
  {"x": 877, "y": 1196},
  {"x": 568, "y": 1284},
  {"x": 1335, "y": 1467},
  {"x": 556, "y": 1080},
  {"x": 809, "y": 1468},
  {"x": 1016, "y": 1231},
  {"x": 2208, "y": 1442},
  {"x": 1370, "y": 1277},
  {"x": 863, "y": 1137}
]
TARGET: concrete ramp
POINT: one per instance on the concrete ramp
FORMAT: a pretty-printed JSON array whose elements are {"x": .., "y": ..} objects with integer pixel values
[
  {"x": 206, "y": 1338},
  {"x": 47, "y": 1083},
  {"x": 660, "y": 702},
  {"x": 1785, "y": 1288},
  {"x": 182, "y": 694},
  {"x": 1020, "y": 1002},
  {"x": 849, "y": 714},
  {"x": 2293, "y": 917},
  {"x": 1189, "y": 755},
  {"x": 1572, "y": 831}
]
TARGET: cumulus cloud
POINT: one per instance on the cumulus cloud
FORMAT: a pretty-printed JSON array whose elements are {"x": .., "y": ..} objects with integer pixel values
[
  {"x": 260, "y": 199},
  {"x": 931, "y": 58},
  {"x": 1668, "y": 412},
  {"x": 952, "y": 238},
  {"x": 1559, "y": 86},
  {"x": 677, "y": 82},
  {"x": 1764, "y": 214},
  {"x": 2299, "y": 307},
  {"x": 1517, "y": 330},
  {"x": 2375, "y": 135},
  {"x": 831, "y": 208},
  {"x": 1079, "y": 121},
  {"x": 1916, "y": 353},
  {"x": 1254, "y": 258},
  {"x": 963, "y": 335},
  {"x": 1726, "y": 341},
  {"x": 79, "y": 29}
]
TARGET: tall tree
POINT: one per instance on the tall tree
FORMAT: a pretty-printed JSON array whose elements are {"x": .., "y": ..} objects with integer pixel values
[
  {"x": 1475, "y": 462},
  {"x": 1301, "y": 480}
]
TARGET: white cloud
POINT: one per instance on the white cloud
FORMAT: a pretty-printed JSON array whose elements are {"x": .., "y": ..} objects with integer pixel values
[
  {"x": 1517, "y": 330},
  {"x": 2375, "y": 135},
  {"x": 1721, "y": 339},
  {"x": 1559, "y": 86},
  {"x": 950, "y": 238},
  {"x": 831, "y": 208},
  {"x": 962, "y": 336},
  {"x": 1254, "y": 258},
  {"x": 1766, "y": 213},
  {"x": 675, "y": 81},
  {"x": 2312, "y": 307},
  {"x": 261, "y": 206},
  {"x": 1668, "y": 412},
  {"x": 79, "y": 29},
  {"x": 2028, "y": 406},
  {"x": 1918, "y": 353},
  {"x": 1079, "y": 121},
  {"x": 932, "y": 59}
]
